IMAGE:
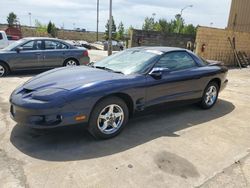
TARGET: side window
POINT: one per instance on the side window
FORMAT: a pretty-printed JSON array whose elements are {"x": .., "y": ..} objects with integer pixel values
[
  {"x": 1, "y": 36},
  {"x": 29, "y": 45},
  {"x": 38, "y": 45},
  {"x": 62, "y": 46},
  {"x": 176, "y": 61},
  {"x": 32, "y": 45},
  {"x": 54, "y": 45}
]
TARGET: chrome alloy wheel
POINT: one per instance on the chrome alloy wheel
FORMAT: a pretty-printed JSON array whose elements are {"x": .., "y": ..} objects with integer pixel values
[
  {"x": 2, "y": 70},
  {"x": 110, "y": 119},
  {"x": 71, "y": 63},
  {"x": 211, "y": 95}
]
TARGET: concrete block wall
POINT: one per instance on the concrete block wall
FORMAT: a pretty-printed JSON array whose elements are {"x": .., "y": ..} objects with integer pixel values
[
  {"x": 67, "y": 35},
  {"x": 154, "y": 38},
  {"x": 217, "y": 46}
]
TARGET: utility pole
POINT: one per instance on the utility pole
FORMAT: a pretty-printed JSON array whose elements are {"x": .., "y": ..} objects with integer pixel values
[
  {"x": 30, "y": 18},
  {"x": 179, "y": 25},
  {"x": 63, "y": 30},
  {"x": 97, "y": 22},
  {"x": 110, "y": 29}
]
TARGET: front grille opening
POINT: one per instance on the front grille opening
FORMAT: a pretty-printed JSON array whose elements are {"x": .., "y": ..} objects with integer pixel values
[{"x": 49, "y": 120}]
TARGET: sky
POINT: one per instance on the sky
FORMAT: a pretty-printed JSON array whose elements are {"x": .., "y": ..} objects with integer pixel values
[{"x": 82, "y": 13}]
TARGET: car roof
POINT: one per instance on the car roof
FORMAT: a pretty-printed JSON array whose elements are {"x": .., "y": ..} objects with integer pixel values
[
  {"x": 41, "y": 38},
  {"x": 160, "y": 48}
]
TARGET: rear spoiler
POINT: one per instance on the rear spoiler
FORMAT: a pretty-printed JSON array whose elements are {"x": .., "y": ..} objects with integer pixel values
[{"x": 215, "y": 63}]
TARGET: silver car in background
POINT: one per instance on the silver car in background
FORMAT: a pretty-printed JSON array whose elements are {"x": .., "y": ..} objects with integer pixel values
[{"x": 40, "y": 53}]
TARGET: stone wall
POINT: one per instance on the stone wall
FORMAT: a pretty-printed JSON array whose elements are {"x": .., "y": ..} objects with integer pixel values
[
  {"x": 213, "y": 44},
  {"x": 154, "y": 38}
]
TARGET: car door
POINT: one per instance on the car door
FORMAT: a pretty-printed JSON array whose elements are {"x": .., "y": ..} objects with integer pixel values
[
  {"x": 54, "y": 53},
  {"x": 28, "y": 55},
  {"x": 179, "y": 80}
]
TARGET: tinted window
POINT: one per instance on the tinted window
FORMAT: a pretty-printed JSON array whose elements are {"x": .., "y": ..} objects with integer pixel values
[
  {"x": 32, "y": 45},
  {"x": 53, "y": 45},
  {"x": 38, "y": 45},
  {"x": 1, "y": 36},
  {"x": 176, "y": 61}
]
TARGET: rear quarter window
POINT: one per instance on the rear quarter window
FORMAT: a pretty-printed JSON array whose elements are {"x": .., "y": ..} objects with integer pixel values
[
  {"x": 55, "y": 45},
  {"x": 1, "y": 36}
]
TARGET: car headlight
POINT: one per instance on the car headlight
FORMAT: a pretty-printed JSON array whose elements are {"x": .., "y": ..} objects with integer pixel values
[{"x": 49, "y": 94}]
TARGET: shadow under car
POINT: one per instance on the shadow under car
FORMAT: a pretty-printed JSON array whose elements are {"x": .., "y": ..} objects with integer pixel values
[{"x": 73, "y": 143}]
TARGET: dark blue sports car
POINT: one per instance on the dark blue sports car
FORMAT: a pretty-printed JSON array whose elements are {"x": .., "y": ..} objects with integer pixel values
[{"x": 105, "y": 94}]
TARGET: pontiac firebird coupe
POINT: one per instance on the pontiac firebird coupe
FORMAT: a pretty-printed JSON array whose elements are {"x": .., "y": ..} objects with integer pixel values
[{"x": 105, "y": 94}]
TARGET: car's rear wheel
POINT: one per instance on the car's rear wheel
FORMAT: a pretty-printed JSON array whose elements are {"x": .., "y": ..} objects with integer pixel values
[
  {"x": 71, "y": 63},
  {"x": 108, "y": 118},
  {"x": 3, "y": 70},
  {"x": 210, "y": 96}
]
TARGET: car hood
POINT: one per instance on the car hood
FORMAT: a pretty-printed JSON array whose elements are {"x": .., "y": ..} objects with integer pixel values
[
  {"x": 69, "y": 78},
  {"x": 2, "y": 51}
]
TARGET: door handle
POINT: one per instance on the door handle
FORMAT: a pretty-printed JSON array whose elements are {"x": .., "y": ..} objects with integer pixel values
[{"x": 38, "y": 53}]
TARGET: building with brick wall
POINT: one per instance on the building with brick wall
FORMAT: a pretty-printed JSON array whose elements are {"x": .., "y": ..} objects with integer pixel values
[
  {"x": 239, "y": 16},
  {"x": 213, "y": 44}
]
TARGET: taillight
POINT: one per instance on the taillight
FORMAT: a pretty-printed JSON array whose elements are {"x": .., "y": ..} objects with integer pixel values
[{"x": 86, "y": 53}]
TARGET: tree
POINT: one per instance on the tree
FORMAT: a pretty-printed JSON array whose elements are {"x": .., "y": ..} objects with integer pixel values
[
  {"x": 12, "y": 19},
  {"x": 51, "y": 29},
  {"x": 178, "y": 23},
  {"x": 149, "y": 24},
  {"x": 189, "y": 29},
  {"x": 162, "y": 25},
  {"x": 40, "y": 28},
  {"x": 121, "y": 32},
  {"x": 129, "y": 30},
  {"x": 113, "y": 30}
]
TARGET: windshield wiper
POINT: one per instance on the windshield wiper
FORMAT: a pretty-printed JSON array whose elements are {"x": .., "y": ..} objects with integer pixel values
[{"x": 108, "y": 69}]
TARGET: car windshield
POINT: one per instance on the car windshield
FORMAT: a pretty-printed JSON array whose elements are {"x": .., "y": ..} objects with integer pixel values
[
  {"x": 129, "y": 61},
  {"x": 14, "y": 44}
]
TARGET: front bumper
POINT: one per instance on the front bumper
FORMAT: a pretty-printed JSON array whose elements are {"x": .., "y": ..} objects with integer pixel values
[{"x": 45, "y": 118}]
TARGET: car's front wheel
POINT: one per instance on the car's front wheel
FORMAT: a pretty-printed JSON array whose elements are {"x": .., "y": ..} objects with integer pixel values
[
  {"x": 3, "y": 70},
  {"x": 108, "y": 118},
  {"x": 210, "y": 96}
]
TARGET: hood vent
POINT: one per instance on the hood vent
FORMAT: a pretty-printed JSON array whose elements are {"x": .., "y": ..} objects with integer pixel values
[{"x": 26, "y": 91}]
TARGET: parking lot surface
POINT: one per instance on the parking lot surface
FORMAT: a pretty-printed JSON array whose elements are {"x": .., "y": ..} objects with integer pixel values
[{"x": 169, "y": 147}]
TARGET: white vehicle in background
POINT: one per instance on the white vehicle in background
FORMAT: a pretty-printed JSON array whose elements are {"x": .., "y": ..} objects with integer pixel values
[{"x": 4, "y": 40}]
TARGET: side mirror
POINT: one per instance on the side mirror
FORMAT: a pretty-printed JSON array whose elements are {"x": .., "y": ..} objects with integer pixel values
[
  {"x": 91, "y": 63},
  {"x": 18, "y": 49},
  {"x": 157, "y": 72}
]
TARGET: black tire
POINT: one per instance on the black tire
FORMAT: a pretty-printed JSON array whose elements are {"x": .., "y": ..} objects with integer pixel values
[
  {"x": 98, "y": 109},
  {"x": 204, "y": 104},
  {"x": 4, "y": 70},
  {"x": 71, "y": 59}
]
